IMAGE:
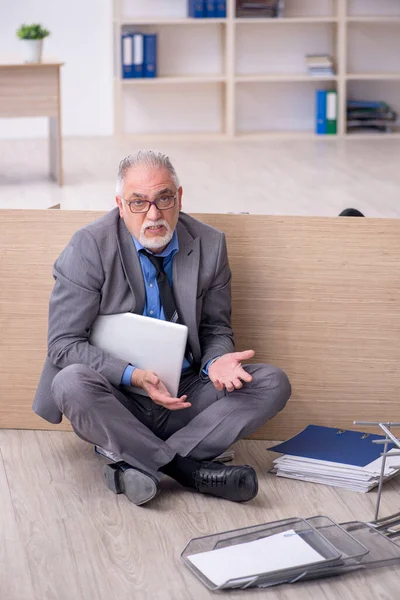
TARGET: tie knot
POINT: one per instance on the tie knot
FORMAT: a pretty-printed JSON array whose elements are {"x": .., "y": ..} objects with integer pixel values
[{"x": 157, "y": 261}]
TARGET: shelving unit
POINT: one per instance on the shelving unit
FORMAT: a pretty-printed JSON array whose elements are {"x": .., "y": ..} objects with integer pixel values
[{"x": 243, "y": 78}]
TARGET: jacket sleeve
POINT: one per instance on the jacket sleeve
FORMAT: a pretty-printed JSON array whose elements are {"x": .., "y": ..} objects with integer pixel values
[
  {"x": 74, "y": 305},
  {"x": 215, "y": 331}
]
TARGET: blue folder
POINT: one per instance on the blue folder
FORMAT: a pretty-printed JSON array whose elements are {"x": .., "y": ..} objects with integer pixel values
[
  {"x": 150, "y": 55},
  {"x": 210, "y": 9},
  {"x": 196, "y": 9},
  {"x": 220, "y": 11},
  {"x": 320, "y": 112},
  {"x": 333, "y": 445}
]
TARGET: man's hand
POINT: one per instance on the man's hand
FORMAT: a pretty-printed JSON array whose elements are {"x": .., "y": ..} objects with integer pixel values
[
  {"x": 228, "y": 372},
  {"x": 148, "y": 381}
]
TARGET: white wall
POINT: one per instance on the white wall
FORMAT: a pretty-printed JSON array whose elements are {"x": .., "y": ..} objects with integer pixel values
[{"x": 81, "y": 36}]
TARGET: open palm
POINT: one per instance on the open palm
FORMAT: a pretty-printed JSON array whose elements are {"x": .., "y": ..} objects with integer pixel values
[{"x": 227, "y": 371}]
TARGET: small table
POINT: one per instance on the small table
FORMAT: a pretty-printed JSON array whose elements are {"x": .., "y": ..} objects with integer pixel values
[{"x": 33, "y": 90}]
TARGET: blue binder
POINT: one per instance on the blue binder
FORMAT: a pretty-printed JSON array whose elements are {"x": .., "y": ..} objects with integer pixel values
[
  {"x": 320, "y": 112},
  {"x": 333, "y": 445},
  {"x": 220, "y": 11},
  {"x": 138, "y": 61},
  {"x": 196, "y": 9},
  {"x": 211, "y": 9},
  {"x": 127, "y": 56},
  {"x": 150, "y": 55}
]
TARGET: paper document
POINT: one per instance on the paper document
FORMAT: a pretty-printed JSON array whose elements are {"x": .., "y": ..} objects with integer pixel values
[{"x": 281, "y": 551}]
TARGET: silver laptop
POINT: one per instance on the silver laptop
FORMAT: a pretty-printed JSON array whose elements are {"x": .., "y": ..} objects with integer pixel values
[{"x": 144, "y": 342}]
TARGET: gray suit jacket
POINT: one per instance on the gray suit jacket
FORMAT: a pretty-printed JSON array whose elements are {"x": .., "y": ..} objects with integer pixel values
[{"x": 99, "y": 272}]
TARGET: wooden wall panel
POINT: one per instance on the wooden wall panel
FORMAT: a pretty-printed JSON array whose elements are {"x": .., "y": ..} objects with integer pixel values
[{"x": 318, "y": 297}]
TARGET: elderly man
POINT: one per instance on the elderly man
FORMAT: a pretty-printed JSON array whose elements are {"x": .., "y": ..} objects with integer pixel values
[{"x": 116, "y": 265}]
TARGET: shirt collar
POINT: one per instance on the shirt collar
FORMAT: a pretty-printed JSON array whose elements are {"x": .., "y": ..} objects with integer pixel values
[{"x": 171, "y": 249}]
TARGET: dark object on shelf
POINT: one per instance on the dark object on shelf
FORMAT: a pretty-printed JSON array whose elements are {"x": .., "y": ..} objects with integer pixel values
[
  {"x": 272, "y": 9},
  {"x": 367, "y": 116},
  {"x": 351, "y": 212}
]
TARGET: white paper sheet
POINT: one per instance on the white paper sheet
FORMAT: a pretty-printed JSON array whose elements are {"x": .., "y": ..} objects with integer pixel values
[{"x": 280, "y": 551}]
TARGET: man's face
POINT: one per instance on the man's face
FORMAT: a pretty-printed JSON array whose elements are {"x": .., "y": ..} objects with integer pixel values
[{"x": 153, "y": 229}]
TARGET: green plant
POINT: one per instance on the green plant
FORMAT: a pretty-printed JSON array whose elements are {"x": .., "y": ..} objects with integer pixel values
[{"x": 32, "y": 32}]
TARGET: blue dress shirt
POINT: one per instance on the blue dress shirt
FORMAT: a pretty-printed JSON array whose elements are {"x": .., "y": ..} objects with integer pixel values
[{"x": 153, "y": 307}]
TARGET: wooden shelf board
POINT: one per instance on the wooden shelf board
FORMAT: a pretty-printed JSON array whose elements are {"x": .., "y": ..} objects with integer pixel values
[
  {"x": 173, "y": 80},
  {"x": 373, "y": 76},
  {"x": 283, "y": 135},
  {"x": 371, "y": 19},
  {"x": 155, "y": 21},
  {"x": 287, "y": 20},
  {"x": 282, "y": 77}
]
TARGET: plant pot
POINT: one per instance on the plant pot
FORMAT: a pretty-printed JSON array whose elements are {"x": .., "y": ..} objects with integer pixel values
[{"x": 32, "y": 50}]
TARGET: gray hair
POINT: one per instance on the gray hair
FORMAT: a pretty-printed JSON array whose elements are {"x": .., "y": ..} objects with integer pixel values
[{"x": 148, "y": 158}]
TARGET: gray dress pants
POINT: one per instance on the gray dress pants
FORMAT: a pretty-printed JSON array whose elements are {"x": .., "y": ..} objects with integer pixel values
[{"x": 148, "y": 436}]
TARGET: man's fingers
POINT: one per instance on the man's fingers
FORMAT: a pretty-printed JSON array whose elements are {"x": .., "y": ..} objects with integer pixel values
[
  {"x": 180, "y": 406},
  {"x": 219, "y": 386},
  {"x": 237, "y": 383},
  {"x": 245, "y": 355},
  {"x": 168, "y": 402},
  {"x": 229, "y": 386},
  {"x": 245, "y": 376}
]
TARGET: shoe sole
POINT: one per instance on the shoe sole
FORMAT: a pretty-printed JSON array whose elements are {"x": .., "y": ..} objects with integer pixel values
[{"x": 137, "y": 486}]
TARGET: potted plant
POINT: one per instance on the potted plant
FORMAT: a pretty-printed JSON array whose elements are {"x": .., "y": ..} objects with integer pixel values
[{"x": 32, "y": 39}]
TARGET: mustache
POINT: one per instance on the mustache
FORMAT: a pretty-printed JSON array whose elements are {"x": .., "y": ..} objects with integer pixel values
[{"x": 157, "y": 223}]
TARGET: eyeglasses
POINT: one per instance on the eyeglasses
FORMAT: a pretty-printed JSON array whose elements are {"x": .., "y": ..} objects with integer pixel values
[{"x": 143, "y": 206}]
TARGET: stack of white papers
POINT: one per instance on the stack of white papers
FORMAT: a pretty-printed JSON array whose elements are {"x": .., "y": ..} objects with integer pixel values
[
  {"x": 280, "y": 551},
  {"x": 358, "y": 479},
  {"x": 338, "y": 457}
]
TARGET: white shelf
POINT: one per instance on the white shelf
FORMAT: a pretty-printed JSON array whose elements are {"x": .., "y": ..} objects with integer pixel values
[
  {"x": 285, "y": 20},
  {"x": 201, "y": 98},
  {"x": 281, "y": 77},
  {"x": 373, "y": 76},
  {"x": 282, "y": 135},
  {"x": 185, "y": 21},
  {"x": 394, "y": 19},
  {"x": 173, "y": 80}
]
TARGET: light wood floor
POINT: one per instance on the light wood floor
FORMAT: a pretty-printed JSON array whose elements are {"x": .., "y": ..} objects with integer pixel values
[
  {"x": 317, "y": 178},
  {"x": 64, "y": 536}
]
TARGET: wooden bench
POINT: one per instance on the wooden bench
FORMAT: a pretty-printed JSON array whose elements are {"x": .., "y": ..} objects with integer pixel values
[{"x": 319, "y": 297}]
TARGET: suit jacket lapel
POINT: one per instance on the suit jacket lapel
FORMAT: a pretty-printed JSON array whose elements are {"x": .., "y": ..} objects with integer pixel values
[
  {"x": 131, "y": 266},
  {"x": 185, "y": 277}
]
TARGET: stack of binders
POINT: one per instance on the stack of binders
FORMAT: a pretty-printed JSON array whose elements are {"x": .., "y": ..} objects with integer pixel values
[
  {"x": 335, "y": 457},
  {"x": 370, "y": 116},
  {"x": 263, "y": 9},
  {"x": 325, "y": 112},
  {"x": 207, "y": 9},
  {"x": 138, "y": 55}
]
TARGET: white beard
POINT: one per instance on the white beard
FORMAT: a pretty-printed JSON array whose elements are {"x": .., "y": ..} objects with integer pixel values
[{"x": 155, "y": 243}]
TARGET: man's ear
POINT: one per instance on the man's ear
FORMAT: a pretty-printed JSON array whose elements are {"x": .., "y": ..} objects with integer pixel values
[
  {"x": 119, "y": 202},
  {"x": 180, "y": 193}
]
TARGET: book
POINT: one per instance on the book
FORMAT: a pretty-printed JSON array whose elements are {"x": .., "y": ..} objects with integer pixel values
[
  {"x": 150, "y": 55},
  {"x": 196, "y": 9},
  {"x": 320, "y": 112},
  {"x": 138, "y": 55},
  {"x": 127, "y": 55},
  {"x": 331, "y": 112}
]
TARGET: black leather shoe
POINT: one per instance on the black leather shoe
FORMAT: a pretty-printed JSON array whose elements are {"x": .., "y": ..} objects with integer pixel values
[
  {"x": 139, "y": 487},
  {"x": 238, "y": 484}
]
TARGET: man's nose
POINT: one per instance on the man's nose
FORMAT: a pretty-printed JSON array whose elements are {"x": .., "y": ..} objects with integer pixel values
[{"x": 154, "y": 213}]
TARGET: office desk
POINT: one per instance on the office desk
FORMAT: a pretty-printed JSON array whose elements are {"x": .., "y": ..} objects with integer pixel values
[{"x": 33, "y": 90}]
